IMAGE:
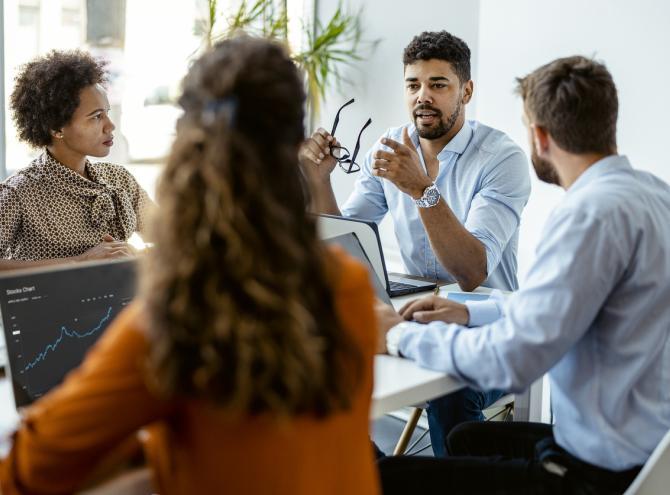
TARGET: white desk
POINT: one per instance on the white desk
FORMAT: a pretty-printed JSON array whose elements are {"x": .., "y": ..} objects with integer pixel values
[
  {"x": 392, "y": 387},
  {"x": 401, "y": 382},
  {"x": 398, "y": 382}
]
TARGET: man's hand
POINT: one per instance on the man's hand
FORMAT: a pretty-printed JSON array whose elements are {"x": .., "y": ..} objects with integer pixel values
[
  {"x": 434, "y": 308},
  {"x": 315, "y": 154},
  {"x": 401, "y": 166},
  {"x": 387, "y": 318},
  {"x": 109, "y": 248}
]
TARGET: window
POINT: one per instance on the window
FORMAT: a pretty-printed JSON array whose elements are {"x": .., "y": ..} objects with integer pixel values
[{"x": 148, "y": 44}]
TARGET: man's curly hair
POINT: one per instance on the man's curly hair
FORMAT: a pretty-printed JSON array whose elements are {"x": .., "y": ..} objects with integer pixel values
[
  {"x": 47, "y": 90},
  {"x": 442, "y": 46}
]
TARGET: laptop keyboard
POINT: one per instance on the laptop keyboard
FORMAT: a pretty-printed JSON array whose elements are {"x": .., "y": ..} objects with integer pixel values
[{"x": 399, "y": 286}]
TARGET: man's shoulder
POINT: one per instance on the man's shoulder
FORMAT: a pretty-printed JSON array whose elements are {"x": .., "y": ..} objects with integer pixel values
[
  {"x": 490, "y": 140},
  {"x": 611, "y": 199},
  {"x": 621, "y": 190},
  {"x": 649, "y": 180},
  {"x": 496, "y": 153}
]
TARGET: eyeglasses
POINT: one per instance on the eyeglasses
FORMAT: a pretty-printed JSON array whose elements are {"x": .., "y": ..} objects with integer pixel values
[{"x": 346, "y": 160}]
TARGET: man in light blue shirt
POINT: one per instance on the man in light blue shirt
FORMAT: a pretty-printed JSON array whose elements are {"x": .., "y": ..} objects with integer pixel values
[
  {"x": 593, "y": 311},
  {"x": 483, "y": 178},
  {"x": 454, "y": 188}
]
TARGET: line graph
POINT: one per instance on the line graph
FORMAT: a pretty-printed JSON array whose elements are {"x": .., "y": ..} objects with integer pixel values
[{"x": 65, "y": 332}]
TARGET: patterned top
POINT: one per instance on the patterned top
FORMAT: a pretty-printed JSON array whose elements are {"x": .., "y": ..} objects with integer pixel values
[{"x": 49, "y": 211}]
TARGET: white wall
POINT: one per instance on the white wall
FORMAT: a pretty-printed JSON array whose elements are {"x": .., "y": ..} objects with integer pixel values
[
  {"x": 377, "y": 82},
  {"x": 632, "y": 38},
  {"x": 509, "y": 38}
]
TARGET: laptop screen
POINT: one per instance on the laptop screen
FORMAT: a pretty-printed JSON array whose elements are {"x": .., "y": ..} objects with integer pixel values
[
  {"x": 52, "y": 316},
  {"x": 349, "y": 242},
  {"x": 366, "y": 233}
]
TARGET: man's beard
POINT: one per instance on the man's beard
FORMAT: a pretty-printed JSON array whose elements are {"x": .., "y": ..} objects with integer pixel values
[
  {"x": 442, "y": 127},
  {"x": 544, "y": 170}
]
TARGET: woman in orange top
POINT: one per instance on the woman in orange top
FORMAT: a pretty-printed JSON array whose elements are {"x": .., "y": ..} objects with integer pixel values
[{"x": 248, "y": 355}]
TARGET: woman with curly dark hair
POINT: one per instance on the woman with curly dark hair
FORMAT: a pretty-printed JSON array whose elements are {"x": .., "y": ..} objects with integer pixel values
[
  {"x": 250, "y": 349},
  {"x": 62, "y": 206}
]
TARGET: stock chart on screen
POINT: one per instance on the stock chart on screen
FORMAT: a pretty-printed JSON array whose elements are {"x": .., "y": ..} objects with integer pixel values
[{"x": 52, "y": 317}]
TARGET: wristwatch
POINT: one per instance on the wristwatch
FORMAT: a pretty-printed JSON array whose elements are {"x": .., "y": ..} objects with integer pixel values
[{"x": 429, "y": 198}]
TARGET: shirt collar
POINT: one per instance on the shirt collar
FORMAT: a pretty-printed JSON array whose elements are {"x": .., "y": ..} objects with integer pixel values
[
  {"x": 48, "y": 162},
  {"x": 611, "y": 163},
  {"x": 460, "y": 141},
  {"x": 457, "y": 145}
]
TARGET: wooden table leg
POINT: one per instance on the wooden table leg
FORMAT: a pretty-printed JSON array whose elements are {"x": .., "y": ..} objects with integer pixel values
[{"x": 407, "y": 431}]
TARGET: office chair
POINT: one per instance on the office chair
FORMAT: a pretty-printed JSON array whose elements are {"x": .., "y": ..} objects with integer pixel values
[{"x": 655, "y": 475}]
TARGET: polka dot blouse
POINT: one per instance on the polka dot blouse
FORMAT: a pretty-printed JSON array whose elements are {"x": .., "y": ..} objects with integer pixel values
[{"x": 49, "y": 211}]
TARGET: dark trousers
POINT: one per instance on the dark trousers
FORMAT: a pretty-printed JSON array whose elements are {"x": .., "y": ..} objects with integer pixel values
[
  {"x": 444, "y": 413},
  {"x": 501, "y": 458}
]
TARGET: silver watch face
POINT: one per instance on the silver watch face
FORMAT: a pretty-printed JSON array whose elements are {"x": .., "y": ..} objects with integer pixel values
[{"x": 430, "y": 197}]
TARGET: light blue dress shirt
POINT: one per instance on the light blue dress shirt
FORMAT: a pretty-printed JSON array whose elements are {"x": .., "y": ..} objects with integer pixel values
[
  {"x": 483, "y": 176},
  {"x": 593, "y": 312}
]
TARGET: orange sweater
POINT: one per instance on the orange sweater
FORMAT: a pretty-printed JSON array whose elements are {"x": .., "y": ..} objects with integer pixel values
[{"x": 195, "y": 448}]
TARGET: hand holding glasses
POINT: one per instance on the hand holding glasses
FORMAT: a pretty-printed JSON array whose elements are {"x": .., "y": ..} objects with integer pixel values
[{"x": 346, "y": 160}]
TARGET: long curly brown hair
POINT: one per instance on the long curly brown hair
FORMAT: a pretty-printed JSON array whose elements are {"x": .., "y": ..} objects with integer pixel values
[{"x": 238, "y": 289}]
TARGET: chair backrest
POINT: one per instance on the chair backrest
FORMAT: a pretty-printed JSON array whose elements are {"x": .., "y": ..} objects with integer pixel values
[{"x": 655, "y": 475}]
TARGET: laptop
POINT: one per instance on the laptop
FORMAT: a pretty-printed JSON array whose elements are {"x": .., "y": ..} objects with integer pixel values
[
  {"x": 350, "y": 243},
  {"x": 367, "y": 234},
  {"x": 51, "y": 317}
]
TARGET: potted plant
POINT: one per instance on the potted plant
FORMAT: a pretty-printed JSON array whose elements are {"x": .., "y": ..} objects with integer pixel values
[{"x": 327, "y": 47}]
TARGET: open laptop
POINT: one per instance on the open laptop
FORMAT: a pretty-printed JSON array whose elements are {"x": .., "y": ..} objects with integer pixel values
[
  {"x": 51, "y": 316},
  {"x": 367, "y": 234},
  {"x": 350, "y": 243}
]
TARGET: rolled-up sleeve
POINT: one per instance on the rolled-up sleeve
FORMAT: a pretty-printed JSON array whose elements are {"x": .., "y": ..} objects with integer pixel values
[
  {"x": 495, "y": 212},
  {"x": 10, "y": 218},
  {"x": 367, "y": 201}
]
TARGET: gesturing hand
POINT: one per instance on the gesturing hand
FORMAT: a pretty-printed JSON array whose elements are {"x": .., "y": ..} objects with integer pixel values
[
  {"x": 434, "y": 308},
  {"x": 401, "y": 166},
  {"x": 315, "y": 154}
]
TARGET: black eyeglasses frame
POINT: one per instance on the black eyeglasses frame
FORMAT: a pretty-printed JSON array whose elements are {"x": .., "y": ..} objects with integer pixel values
[{"x": 340, "y": 153}]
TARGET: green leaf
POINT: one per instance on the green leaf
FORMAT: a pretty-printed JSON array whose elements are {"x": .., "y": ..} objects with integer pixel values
[{"x": 329, "y": 46}]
